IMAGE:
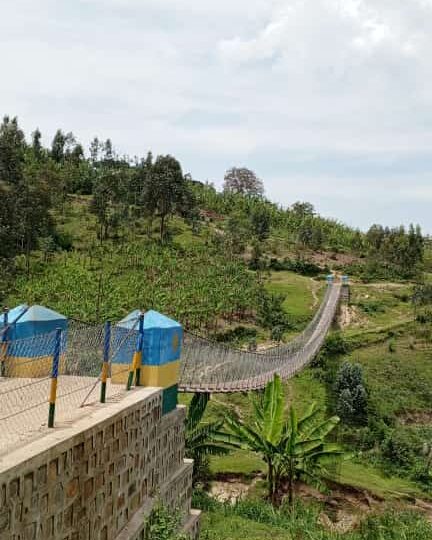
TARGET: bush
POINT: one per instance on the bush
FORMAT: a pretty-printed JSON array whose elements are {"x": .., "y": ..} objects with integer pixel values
[
  {"x": 424, "y": 317},
  {"x": 63, "y": 240},
  {"x": 299, "y": 266},
  {"x": 401, "y": 448},
  {"x": 335, "y": 344},
  {"x": 271, "y": 314},
  {"x": 392, "y": 345},
  {"x": 163, "y": 524},
  {"x": 238, "y": 335},
  {"x": 371, "y": 307},
  {"x": 351, "y": 395}
]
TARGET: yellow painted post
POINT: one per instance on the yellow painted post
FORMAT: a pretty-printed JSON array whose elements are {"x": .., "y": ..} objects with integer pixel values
[
  {"x": 105, "y": 364},
  {"x": 139, "y": 351},
  {"x": 54, "y": 378},
  {"x": 135, "y": 367}
]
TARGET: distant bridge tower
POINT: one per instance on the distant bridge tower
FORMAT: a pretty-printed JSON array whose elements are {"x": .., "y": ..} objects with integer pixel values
[{"x": 346, "y": 290}]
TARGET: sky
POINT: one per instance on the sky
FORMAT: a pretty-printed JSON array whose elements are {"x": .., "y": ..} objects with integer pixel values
[{"x": 328, "y": 101}]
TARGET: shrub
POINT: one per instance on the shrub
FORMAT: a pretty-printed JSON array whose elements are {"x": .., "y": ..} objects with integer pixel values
[
  {"x": 392, "y": 345},
  {"x": 163, "y": 524},
  {"x": 63, "y": 240},
  {"x": 299, "y": 266},
  {"x": 371, "y": 307},
  {"x": 335, "y": 344},
  {"x": 351, "y": 394},
  {"x": 270, "y": 313},
  {"x": 401, "y": 448}
]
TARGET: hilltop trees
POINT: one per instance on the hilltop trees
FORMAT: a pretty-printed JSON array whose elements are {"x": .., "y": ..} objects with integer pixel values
[
  {"x": 108, "y": 200},
  {"x": 38, "y": 182},
  {"x": 398, "y": 251}
]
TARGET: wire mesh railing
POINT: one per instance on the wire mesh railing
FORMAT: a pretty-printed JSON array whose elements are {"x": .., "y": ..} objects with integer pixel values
[{"x": 27, "y": 374}]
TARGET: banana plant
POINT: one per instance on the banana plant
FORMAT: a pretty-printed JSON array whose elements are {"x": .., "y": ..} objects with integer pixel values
[
  {"x": 264, "y": 433},
  {"x": 201, "y": 438},
  {"x": 304, "y": 453},
  {"x": 292, "y": 449}
]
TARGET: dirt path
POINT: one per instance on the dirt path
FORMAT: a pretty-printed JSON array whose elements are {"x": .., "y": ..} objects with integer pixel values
[{"x": 314, "y": 286}]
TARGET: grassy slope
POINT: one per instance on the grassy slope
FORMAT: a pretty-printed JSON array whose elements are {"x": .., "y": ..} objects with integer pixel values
[
  {"x": 397, "y": 381},
  {"x": 300, "y": 302},
  {"x": 400, "y": 381},
  {"x": 217, "y": 526}
]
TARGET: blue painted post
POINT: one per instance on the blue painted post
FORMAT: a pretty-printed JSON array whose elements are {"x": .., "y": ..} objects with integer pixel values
[
  {"x": 135, "y": 367},
  {"x": 54, "y": 377},
  {"x": 140, "y": 349},
  {"x": 4, "y": 341},
  {"x": 105, "y": 365}
]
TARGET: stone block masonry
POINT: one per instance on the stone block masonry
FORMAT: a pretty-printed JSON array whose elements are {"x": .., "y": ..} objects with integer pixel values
[{"x": 99, "y": 478}]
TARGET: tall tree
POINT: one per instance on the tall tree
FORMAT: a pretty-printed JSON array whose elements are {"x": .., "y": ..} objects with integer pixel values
[
  {"x": 108, "y": 202},
  {"x": 243, "y": 181},
  {"x": 36, "y": 144},
  {"x": 166, "y": 192},
  {"x": 58, "y": 146},
  {"x": 351, "y": 394}
]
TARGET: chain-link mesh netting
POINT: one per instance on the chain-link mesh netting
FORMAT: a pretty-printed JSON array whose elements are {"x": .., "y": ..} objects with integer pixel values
[
  {"x": 214, "y": 367},
  {"x": 26, "y": 369}
]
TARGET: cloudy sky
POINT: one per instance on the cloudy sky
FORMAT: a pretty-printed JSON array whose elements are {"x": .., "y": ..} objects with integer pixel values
[{"x": 327, "y": 100}]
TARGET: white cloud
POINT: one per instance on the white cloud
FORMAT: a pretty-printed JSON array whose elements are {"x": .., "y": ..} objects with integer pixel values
[{"x": 250, "y": 81}]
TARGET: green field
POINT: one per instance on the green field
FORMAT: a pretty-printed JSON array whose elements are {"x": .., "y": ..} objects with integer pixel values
[{"x": 300, "y": 302}]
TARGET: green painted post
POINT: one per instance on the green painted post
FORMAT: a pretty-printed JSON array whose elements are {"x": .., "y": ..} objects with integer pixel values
[
  {"x": 54, "y": 377},
  {"x": 135, "y": 367},
  {"x": 105, "y": 365}
]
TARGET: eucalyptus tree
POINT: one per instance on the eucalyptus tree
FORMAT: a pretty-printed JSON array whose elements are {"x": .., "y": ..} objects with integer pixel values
[{"x": 166, "y": 191}]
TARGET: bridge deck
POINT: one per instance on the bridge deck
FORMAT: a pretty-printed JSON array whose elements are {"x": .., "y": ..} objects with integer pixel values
[{"x": 24, "y": 406}]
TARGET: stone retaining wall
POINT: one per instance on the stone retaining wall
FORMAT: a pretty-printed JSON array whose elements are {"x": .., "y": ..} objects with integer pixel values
[{"x": 92, "y": 480}]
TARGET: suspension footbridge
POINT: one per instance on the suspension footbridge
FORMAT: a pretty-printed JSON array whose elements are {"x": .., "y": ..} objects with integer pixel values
[{"x": 216, "y": 368}]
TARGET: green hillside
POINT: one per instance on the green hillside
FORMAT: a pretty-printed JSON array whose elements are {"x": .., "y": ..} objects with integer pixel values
[{"x": 97, "y": 236}]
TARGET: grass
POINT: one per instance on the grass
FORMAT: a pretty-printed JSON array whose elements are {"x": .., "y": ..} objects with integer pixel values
[
  {"x": 255, "y": 519},
  {"x": 304, "y": 389},
  {"x": 240, "y": 462},
  {"x": 299, "y": 303},
  {"x": 380, "y": 305},
  {"x": 400, "y": 381},
  {"x": 366, "y": 477},
  {"x": 217, "y": 526}
]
